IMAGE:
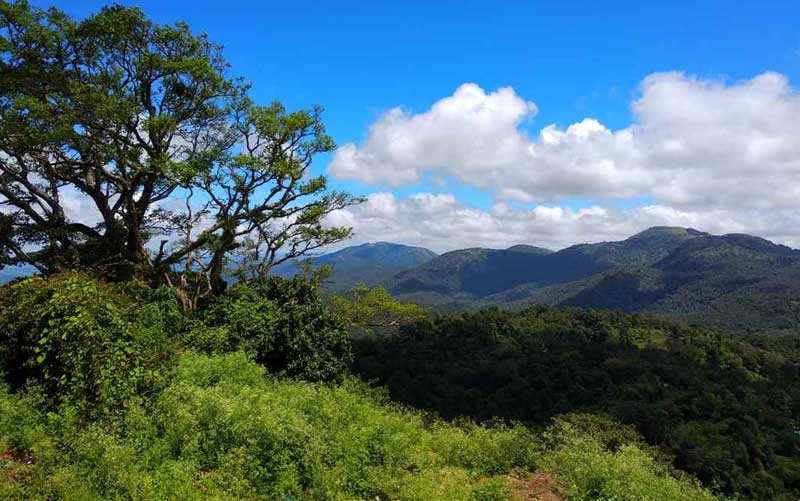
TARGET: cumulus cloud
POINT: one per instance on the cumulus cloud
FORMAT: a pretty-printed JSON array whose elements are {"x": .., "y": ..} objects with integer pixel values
[
  {"x": 470, "y": 130},
  {"x": 442, "y": 223},
  {"x": 694, "y": 144}
]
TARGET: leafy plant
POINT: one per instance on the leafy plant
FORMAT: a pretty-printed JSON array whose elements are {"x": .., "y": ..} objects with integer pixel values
[{"x": 282, "y": 323}]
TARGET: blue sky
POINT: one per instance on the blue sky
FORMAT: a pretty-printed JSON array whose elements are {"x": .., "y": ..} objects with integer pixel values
[{"x": 572, "y": 59}]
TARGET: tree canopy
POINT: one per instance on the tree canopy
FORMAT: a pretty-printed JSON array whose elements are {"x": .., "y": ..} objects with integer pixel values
[{"x": 125, "y": 117}]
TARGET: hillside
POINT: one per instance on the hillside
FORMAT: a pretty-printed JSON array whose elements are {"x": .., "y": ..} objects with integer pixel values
[
  {"x": 471, "y": 274},
  {"x": 722, "y": 408},
  {"x": 531, "y": 249},
  {"x": 739, "y": 282},
  {"x": 370, "y": 263},
  {"x": 111, "y": 392}
]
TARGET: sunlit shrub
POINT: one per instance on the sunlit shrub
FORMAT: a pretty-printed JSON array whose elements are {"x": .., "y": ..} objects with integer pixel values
[{"x": 577, "y": 454}]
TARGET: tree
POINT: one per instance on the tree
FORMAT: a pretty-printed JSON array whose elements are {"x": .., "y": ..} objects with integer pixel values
[
  {"x": 125, "y": 116},
  {"x": 374, "y": 308}
]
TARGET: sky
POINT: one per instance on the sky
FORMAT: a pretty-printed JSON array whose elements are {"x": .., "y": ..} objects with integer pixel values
[{"x": 549, "y": 123}]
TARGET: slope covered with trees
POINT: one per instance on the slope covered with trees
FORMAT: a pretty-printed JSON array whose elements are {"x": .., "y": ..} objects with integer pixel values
[
  {"x": 739, "y": 283},
  {"x": 724, "y": 409},
  {"x": 370, "y": 264},
  {"x": 472, "y": 274}
]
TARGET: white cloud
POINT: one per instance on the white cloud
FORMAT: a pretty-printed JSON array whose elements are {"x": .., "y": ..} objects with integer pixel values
[
  {"x": 695, "y": 145},
  {"x": 440, "y": 222},
  {"x": 470, "y": 130}
]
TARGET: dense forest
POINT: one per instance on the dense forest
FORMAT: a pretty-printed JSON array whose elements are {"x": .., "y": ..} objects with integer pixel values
[
  {"x": 153, "y": 352},
  {"x": 723, "y": 409}
]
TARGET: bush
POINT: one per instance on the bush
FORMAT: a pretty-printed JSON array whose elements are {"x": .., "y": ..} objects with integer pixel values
[
  {"x": 283, "y": 324},
  {"x": 574, "y": 450},
  {"x": 74, "y": 337}
]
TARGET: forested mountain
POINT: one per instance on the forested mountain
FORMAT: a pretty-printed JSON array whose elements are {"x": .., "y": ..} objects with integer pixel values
[
  {"x": 741, "y": 282},
  {"x": 738, "y": 282},
  {"x": 531, "y": 249},
  {"x": 369, "y": 263},
  {"x": 470, "y": 274}
]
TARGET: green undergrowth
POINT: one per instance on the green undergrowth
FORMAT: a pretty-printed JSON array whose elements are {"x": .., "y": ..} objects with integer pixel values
[
  {"x": 222, "y": 429},
  {"x": 168, "y": 421}
]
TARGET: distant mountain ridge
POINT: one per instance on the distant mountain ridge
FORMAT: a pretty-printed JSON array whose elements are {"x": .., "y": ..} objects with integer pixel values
[
  {"x": 471, "y": 274},
  {"x": 369, "y": 263},
  {"x": 738, "y": 282}
]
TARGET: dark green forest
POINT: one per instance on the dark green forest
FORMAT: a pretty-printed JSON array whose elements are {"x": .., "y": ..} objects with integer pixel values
[{"x": 724, "y": 409}]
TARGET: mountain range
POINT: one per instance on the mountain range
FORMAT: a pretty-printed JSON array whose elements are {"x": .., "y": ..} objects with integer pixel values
[{"x": 740, "y": 283}]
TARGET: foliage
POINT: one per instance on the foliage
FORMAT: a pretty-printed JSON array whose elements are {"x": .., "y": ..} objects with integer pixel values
[
  {"x": 223, "y": 430},
  {"x": 626, "y": 471},
  {"x": 725, "y": 409},
  {"x": 128, "y": 113},
  {"x": 374, "y": 308},
  {"x": 136, "y": 413},
  {"x": 76, "y": 338},
  {"x": 282, "y": 323}
]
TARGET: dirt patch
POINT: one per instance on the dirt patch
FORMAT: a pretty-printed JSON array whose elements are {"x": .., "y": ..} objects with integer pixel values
[
  {"x": 535, "y": 486},
  {"x": 23, "y": 456},
  {"x": 19, "y": 458}
]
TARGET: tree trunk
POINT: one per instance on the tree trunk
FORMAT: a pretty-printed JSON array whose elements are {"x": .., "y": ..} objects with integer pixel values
[{"x": 217, "y": 265}]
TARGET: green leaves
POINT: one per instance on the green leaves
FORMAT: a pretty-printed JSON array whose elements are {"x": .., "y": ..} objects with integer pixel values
[
  {"x": 282, "y": 324},
  {"x": 73, "y": 336},
  {"x": 130, "y": 113},
  {"x": 367, "y": 308}
]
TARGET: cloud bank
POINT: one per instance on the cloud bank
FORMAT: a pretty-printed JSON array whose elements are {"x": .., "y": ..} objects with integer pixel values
[
  {"x": 721, "y": 157},
  {"x": 441, "y": 223}
]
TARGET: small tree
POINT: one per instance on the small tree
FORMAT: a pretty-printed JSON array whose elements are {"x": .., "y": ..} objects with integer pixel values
[
  {"x": 125, "y": 116},
  {"x": 366, "y": 308}
]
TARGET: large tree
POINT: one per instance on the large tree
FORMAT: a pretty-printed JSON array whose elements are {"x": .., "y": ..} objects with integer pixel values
[{"x": 123, "y": 117}]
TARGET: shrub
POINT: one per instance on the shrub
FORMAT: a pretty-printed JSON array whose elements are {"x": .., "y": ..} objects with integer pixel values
[
  {"x": 283, "y": 324},
  {"x": 574, "y": 450},
  {"x": 74, "y": 336},
  {"x": 222, "y": 429}
]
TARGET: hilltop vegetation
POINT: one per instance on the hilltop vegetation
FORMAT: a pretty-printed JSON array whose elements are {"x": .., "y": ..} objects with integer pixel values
[{"x": 111, "y": 391}]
